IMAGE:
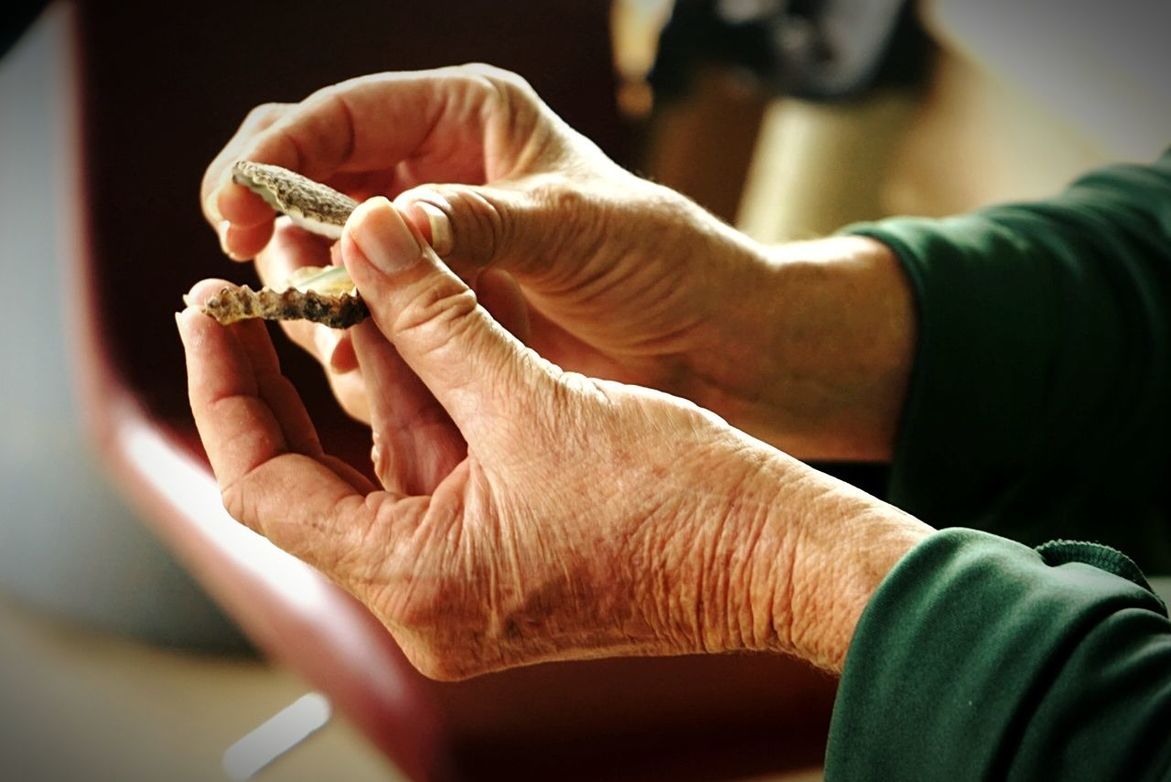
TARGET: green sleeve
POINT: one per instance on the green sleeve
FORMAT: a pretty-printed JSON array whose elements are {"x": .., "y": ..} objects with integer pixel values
[
  {"x": 980, "y": 658},
  {"x": 1039, "y": 403}
]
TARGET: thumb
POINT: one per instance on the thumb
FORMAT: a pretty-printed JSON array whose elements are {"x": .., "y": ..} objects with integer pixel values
[
  {"x": 475, "y": 369},
  {"x": 512, "y": 227}
]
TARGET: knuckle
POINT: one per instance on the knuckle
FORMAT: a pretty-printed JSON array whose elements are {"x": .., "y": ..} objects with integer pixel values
[
  {"x": 265, "y": 114},
  {"x": 436, "y": 312},
  {"x": 329, "y": 92},
  {"x": 576, "y": 223},
  {"x": 479, "y": 225},
  {"x": 556, "y": 193},
  {"x": 236, "y": 503},
  {"x": 509, "y": 91},
  {"x": 500, "y": 78}
]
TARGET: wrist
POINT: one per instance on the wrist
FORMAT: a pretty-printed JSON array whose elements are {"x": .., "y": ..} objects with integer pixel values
[
  {"x": 812, "y": 551},
  {"x": 834, "y": 334},
  {"x": 709, "y": 573},
  {"x": 849, "y": 542},
  {"x": 760, "y": 552}
]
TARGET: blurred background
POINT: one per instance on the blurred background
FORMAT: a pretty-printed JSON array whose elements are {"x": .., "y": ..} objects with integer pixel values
[{"x": 142, "y": 632}]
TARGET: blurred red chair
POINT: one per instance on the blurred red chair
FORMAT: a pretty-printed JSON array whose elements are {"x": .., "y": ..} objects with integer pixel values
[{"x": 155, "y": 95}]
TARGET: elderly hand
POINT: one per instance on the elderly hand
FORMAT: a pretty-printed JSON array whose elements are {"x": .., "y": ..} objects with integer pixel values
[
  {"x": 527, "y": 513},
  {"x": 599, "y": 271}
]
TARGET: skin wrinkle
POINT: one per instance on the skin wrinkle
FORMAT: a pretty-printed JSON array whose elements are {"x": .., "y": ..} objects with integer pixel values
[
  {"x": 586, "y": 288},
  {"x": 266, "y": 384},
  {"x": 779, "y": 617},
  {"x": 743, "y": 553},
  {"x": 586, "y": 243},
  {"x": 330, "y": 97},
  {"x": 437, "y": 116},
  {"x": 367, "y": 577},
  {"x": 350, "y": 143},
  {"x": 769, "y": 589},
  {"x": 409, "y": 172},
  {"x": 502, "y": 213},
  {"x": 593, "y": 285},
  {"x": 863, "y": 531},
  {"x": 738, "y": 539},
  {"x": 650, "y": 559},
  {"x": 559, "y": 237},
  {"x": 522, "y": 122},
  {"x": 762, "y": 597},
  {"x": 424, "y": 605},
  {"x": 460, "y": 107},
  {"x": 475, "y": 561},
  {"x": 389, "y": 513},
  {"x": 347, "y": 473},
  {"x": 251, "y": 391},
  {"x": 523, "y": 378},
  {"x": 237, "y": 498},
  {"x": 278, "y": 391},
  {"x": 491, "y": 108},
  {"x": 665, "y": 601},
  {"x": 512, "y": 591},
  {"x": 433, "y": 312},
  {"x": 796, "y": 588},
  {"x": 488, "y": 235},
  {"x": 240, "y": 406},
  {"x": 672, "y": 589},
  {"x": 299, "y": 157},
  {"x": 710, "y": 583},
  {"x": 712, "y": 580},
  {"x": 441, "y": 312},
  {"x": 655, "y": 508},
  {"x": 536, "y": 604}
]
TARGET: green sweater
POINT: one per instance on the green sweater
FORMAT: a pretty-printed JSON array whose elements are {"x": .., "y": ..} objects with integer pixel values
[{"x": 1040, "y": 408}]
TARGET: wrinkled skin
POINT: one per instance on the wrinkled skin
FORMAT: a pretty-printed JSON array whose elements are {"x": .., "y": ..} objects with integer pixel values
[{"x": 526, "y": 512}]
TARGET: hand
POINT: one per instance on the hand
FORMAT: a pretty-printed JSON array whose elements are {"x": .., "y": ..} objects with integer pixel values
[
  {"x": 599, "y": 271},
  {"x": 527, "y": 513}
]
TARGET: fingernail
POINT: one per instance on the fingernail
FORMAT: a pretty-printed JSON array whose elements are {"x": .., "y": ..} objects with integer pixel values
[
  {"x": 383, "y": 237},
  {"x": 222, "y": 231},
  {"x": 182, "y": 320},
  {"x": 441, "y": 238},
  {"x": 212, "y": 205}
]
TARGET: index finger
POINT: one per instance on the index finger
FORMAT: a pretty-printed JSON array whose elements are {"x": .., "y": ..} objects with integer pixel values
[
  {"x": 257, "y": 120},
  {"x": 442, "y": 121},
  {"x": 272, "y": 473}
]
